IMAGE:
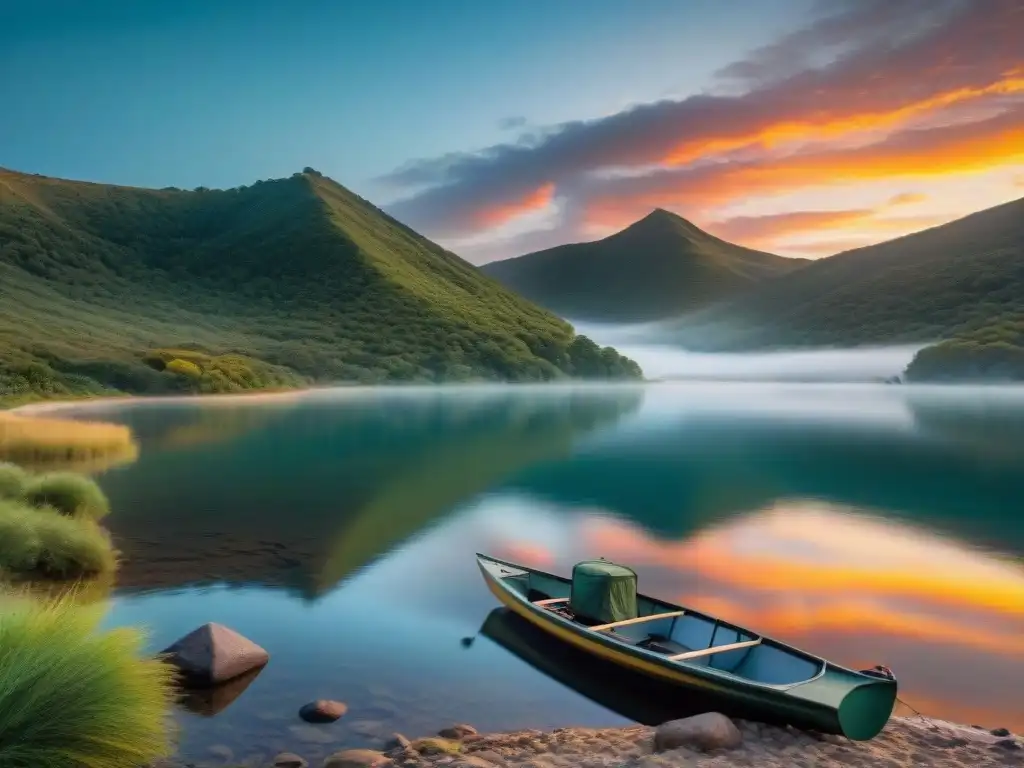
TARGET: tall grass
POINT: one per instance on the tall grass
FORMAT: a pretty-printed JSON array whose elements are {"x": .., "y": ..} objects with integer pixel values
[
  {"x": 73, "y": 697},
  {"x": 44, "y": 543},
  {"x": 29, "y": 439},
  {"x": 13, "y": 480},
  {"x": 70, "y": 494}
]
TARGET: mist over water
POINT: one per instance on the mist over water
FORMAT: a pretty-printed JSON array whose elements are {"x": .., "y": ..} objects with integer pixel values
[{"x": 664, "y": 361}]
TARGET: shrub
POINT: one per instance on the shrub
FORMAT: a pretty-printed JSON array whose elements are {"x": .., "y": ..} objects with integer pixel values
[
  {"x": 68, "y": 493},
  {"x": 74, "y": 697},
  {"x": 12, "y": 480},
  {"x": 184, "y": 368},
  {"x": 44, "y": 543}
]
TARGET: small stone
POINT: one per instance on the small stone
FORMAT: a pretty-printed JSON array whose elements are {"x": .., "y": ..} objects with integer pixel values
[
  {"x": 704, "y": 732},
  {"x": 999, "y": 732},
  {"x": 1010, "y": 744},
  {"x": 979, "y": 727},
  {"x": 457, "y": 732},
  {"x": 956, "y": 741},
  {"x": 322, "y": 711},
  {"x": 289, "y": 760},
  {"x": 357, "y": 758}
]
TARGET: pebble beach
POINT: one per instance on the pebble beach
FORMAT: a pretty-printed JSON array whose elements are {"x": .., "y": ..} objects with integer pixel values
[{"x": 716, "y": 743}]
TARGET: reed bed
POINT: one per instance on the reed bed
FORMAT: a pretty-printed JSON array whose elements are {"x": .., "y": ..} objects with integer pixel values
[{"x": 38, "y": 441}]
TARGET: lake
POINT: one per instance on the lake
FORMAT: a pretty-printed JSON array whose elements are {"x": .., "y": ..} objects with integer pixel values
[{"x": 865, "y": 523}]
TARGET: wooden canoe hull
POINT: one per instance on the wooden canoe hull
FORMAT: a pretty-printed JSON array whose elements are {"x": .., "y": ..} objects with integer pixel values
[{"x": 838, "y": 700}]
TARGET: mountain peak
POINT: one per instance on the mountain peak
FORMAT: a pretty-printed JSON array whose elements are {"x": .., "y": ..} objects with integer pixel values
[{"x": 657, "y": 267}]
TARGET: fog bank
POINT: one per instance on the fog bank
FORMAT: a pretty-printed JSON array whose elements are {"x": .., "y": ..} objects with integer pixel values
[{"x": 661, "y": 361}]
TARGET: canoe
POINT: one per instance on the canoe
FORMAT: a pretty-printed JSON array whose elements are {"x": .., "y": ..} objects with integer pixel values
[{"x": 600, "y": 612}]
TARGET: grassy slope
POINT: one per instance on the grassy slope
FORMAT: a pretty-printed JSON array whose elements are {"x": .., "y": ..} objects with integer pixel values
[
  {"x": 658, "y": 267},
  {"x": 272, "y": 285},
  {"x": 940, "y": 283}
]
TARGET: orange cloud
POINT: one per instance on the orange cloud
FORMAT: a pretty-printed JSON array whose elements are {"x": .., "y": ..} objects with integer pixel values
[
  {"x": 871, "y": 91},
  {"x": 965, "y": 148},
  {"x": 759, "y": 230},
  {"x": 907, "y": 198},
  {"x": 772, "y": 230},
  {"x": 536, "y": 200},
  {"x": 842, "y": 125}
]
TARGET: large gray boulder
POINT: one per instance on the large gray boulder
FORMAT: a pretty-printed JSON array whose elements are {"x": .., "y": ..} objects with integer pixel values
[
  {"x": 702, "y": 733},
  {"x": 213, "y": 654}
]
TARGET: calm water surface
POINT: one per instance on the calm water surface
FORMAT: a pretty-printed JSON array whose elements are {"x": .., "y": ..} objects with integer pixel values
[{"x": 869, "y": 524}]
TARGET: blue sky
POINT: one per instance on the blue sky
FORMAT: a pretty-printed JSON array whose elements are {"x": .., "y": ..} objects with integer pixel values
[
  {"x": 189, "y": 93},
  {"x": 804, "y": 127}
]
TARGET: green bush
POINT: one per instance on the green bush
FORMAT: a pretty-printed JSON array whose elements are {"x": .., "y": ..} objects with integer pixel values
[
  {"x": 13, "y": 480},
  {"x": 74, "y": 697},
  {"x": 69, "y": 493},
  {"x": 46, "y": 544},
  {"x": 184, "y": 368}
]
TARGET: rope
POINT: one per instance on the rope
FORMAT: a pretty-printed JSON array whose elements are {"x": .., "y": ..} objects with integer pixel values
[{"x": 918, "y": 714}]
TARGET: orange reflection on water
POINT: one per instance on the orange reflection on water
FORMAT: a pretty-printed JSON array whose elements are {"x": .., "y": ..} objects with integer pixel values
[
  {"x": 821, "y": 550},
  {"x": 855, "y": 589}
]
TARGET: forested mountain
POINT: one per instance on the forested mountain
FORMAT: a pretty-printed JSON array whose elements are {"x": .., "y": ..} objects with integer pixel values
[{"x": 281, "y": 283}]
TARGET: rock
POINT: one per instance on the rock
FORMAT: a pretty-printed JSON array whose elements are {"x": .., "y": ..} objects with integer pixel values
[
  {"x": 457, "y": 732},
  {"x": 322, "y": 711},
  {"x": 357, "y": 758},
  {"x": 214, "y": 654},
  {"x": 288, "y": 760},
  {"x": 1009, "y": 744},
  {"x": 704, "y": 732},
  {"x": 999, "y": 732}
]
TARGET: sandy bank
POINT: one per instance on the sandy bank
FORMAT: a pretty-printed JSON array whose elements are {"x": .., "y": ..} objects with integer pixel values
[
  {"x": 257, "y": 396},
  {"x": 904, "y": 742}
]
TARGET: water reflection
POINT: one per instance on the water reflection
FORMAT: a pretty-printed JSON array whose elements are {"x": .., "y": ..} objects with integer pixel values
[
  {"x": 630, "y": 695},
  {"x": 866, "y": 524},
  {"x": 361, "y": 475},
  {"x": 697, "y": 455},
  {"x": 211, "y": 701},
  {"x": 852, "y": 587}
]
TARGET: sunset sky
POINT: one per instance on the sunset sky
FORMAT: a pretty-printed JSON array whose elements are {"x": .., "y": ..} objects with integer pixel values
[{"x": 804, "y": 127}]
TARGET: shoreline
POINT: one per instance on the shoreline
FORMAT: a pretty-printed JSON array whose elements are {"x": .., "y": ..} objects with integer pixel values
[
  {"x": 905, "y": 741},
  {"x": 38, "y": 407}
]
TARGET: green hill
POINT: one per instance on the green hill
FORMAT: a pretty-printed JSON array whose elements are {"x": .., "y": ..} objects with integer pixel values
[
  {"x": 948, "y": 282},
  {"x": 658, "y": 267},
  {"x": 106, "y": 288}
]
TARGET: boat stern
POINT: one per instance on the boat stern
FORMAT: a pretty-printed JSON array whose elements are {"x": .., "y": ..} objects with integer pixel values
[{"x": 864, "y": 711}]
